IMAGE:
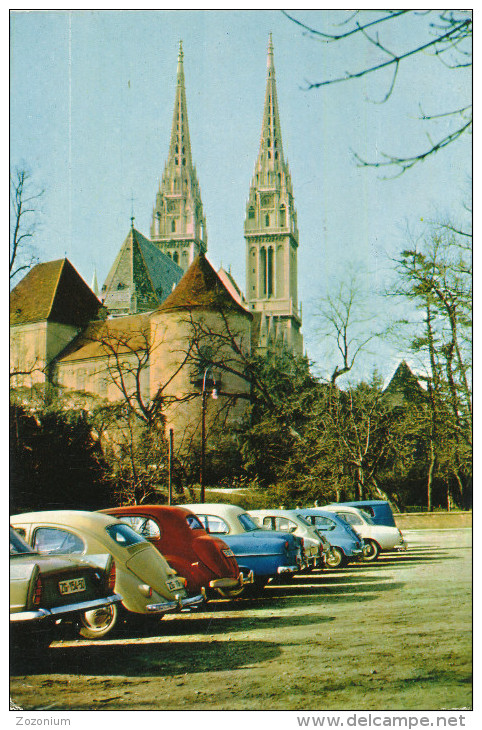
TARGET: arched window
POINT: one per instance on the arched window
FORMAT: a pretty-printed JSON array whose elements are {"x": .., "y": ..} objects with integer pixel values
[
  {"x": 251, "y": 213},
  {"x": 266, "y": 220},
  {"x": 173, "y": 226},
  {"x": 176, "y": 257}
]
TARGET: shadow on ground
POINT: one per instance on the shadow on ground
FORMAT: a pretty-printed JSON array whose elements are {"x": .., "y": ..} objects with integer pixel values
[{"x": 147, "y": 659}]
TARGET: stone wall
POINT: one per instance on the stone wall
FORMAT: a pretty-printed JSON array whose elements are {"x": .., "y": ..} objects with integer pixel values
[{"x": 433, "y": 520}]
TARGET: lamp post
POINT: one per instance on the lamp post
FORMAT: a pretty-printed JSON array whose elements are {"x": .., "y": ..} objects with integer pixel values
[{"x": 203, "y": 430}]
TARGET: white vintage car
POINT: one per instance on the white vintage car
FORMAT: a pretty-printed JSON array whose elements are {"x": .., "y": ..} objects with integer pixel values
[
  {"x": 377, "y": 538},
  {"x": 316, "y": 546}
]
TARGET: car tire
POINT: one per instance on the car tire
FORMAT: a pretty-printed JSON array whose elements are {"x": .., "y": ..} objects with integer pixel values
[
  {"x": 335, "y": 558},
  {"x": 98, "y": 623},
  {"x": 371, "y": 551}
]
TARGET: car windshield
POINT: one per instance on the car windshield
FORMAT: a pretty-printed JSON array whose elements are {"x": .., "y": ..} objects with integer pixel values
[
  {"x": 247, "y": 522},
  {"x": 124, "y": 535},
  {"x": 17, "y": 545}
]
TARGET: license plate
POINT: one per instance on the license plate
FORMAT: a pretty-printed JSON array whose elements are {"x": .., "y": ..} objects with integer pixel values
[
  {"x": 228, "y": 552},
  {"x": 173, "y": 585},
  {"x": 75, "y": 585}
]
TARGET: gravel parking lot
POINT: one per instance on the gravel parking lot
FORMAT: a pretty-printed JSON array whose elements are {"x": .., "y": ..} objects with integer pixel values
[{"x": 393, "y": 635}]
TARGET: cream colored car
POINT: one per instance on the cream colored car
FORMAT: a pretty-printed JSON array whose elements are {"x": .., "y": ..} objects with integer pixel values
[{"x": 147, "y": 583}]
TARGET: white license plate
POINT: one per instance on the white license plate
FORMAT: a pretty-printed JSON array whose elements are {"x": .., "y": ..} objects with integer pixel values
[
  {"x": 228, "y": 552},
  {"x": 76, "y": 585},
  {"x": 174, "y": 585}
]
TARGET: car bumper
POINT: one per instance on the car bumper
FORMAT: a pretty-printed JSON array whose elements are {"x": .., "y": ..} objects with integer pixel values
[
  {"x": 288, "y": 569},
  {"x": 232, "y": 582},
  {"x": 180, "y": 604},
  {"x": 401, "y": 547},
  {"x": 60, "y": 611}
]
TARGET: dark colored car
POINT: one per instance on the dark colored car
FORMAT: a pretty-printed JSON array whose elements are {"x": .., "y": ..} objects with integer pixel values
[
  {"x": 205, "y": 561},
  {"x": 44, "y": 589}
]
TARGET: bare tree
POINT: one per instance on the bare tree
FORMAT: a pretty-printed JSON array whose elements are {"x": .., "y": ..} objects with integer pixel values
[
  {"x": 344, "y": 320},
  {"x": 23, "y": 219},
  {"x": 448, "y": 39}
]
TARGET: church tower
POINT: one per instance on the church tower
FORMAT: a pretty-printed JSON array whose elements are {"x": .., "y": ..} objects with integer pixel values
[
  {"x": 271, "y": 233},
  {"x": 178, "y": 226}
]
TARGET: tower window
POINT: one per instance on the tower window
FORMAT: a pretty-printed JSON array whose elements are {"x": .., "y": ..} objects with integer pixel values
[
  {"x": 176, "y": 257},
  {"x": 173, "y": 226},
  {"x": 266, "y": 220},
  {"x": 251, "y": 213},
  {"x": 269, "y": 143},
  {"x": 275, "y": 155},
  {"x": 269, "y": 155}
]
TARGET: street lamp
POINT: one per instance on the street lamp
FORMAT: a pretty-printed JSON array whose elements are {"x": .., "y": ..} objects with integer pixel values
[{"x": 203, "y": 429}]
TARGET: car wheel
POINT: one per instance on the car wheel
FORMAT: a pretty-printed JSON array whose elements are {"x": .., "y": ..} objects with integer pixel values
[
  {"x": 335, "y": 558},
  {"x": 370, "y": 551},
  {"x": 98, "y": 623}
]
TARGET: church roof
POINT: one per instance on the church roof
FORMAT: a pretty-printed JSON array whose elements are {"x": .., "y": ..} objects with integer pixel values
[
  {"x": 201, "y": 287},
  {"x": 53, "y": 291},
  {"x": 404, "y": 386},
  {"x": 141, "y": 270},
  {"x": 232, "y": 287},
  {"x": 117, "y": 336}
]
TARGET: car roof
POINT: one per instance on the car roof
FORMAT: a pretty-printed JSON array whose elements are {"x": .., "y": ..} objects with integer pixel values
[
  {"x": 342, "y": 507},
  {"x": 365, "y": 502},
  {"x": 317, "y": 511},
  {"x": 79, "y": 518},
  {"x": 276, "y": 512},
  {"x": 202, "y": 507}
]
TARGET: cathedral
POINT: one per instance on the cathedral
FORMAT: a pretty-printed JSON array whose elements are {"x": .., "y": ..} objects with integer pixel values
[{"x": 63, "y": 332}]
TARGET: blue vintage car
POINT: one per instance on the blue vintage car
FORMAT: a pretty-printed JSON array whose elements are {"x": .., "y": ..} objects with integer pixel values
[
  {"x": 346, "y": 544},
  {"x": 261, "y": 554},
  {"x": 378, "y": 509}
]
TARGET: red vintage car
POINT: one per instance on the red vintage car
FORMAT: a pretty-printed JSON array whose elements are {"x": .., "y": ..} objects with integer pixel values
[{"x": 205, "y": 561}]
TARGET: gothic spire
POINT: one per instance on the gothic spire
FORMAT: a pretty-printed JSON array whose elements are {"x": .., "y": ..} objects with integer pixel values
[
  {"x": 271, "y": 148},
  {"x": 178, "y": 225},
  {"x": 180, "y": 146}
]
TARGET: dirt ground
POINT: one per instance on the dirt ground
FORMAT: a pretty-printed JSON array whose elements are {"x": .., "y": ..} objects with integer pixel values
[{"x": 395, "y": 635}]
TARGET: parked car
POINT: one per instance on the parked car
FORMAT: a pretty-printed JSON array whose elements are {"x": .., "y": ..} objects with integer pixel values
[
  {"x": 377, "y": 538},
  {"x": 44, "y": 589},
  {"x": 207, "y": 563},
  {"x": 261, "y": 554},
  {"x": 346, "y": 544},
  {"x": 147, "y": 583},
  {"x": 378, "y": 509},
  {"x": 316, "y": 546}
]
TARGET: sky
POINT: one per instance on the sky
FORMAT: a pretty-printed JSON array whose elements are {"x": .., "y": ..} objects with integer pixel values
[{"x": 91, "y": 102}]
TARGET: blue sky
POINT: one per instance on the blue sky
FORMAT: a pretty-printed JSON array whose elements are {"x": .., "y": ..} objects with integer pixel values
[{"x": 92, "y": 95}]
